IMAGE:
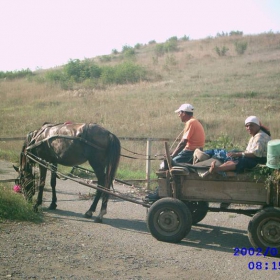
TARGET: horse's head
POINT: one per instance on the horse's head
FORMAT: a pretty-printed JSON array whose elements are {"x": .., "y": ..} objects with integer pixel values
[{"x": 26, "y": 178}]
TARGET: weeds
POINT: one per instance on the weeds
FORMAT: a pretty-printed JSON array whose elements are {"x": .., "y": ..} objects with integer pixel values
[{"x": 14, "y": 207}]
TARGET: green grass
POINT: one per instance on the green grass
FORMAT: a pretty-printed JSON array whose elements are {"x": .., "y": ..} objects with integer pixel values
[{"x": 14, "y": 207}]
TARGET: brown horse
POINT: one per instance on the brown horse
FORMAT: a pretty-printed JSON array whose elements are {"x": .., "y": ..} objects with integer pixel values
[{"x": 70, "y": 144}]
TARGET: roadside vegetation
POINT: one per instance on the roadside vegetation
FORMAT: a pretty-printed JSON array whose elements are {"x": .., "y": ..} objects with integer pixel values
[
  {"x": 13, "y": 206},
  {"x": 134, "y": 92}
]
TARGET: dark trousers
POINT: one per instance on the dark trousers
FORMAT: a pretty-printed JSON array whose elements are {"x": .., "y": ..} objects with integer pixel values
[{"x": 184, "y": 157}]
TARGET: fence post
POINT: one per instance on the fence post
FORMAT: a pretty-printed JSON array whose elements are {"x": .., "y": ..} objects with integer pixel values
[{"x": 148, "y": 162}]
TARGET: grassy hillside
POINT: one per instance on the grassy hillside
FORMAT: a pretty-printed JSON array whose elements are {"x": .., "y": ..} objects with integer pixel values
[{"x": 224, "y": 89}]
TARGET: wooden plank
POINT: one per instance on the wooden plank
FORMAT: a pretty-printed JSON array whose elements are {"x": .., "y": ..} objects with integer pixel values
[{"x": 224, "y": 191}]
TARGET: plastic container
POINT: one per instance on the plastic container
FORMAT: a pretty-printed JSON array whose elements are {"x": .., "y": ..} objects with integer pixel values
[{"x": 273, "y": 154}]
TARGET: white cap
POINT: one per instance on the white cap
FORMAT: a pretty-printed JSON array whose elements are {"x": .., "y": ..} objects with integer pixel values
[
  {"x": 252, "y": 119},
  {"x": 186, "y": 108}
]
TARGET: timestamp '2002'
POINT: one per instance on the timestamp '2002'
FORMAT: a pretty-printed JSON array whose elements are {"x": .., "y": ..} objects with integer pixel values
[{"x": 257, "y": 252}]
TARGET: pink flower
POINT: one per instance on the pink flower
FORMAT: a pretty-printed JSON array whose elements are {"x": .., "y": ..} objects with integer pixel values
[{"x": 17, "y": 188}]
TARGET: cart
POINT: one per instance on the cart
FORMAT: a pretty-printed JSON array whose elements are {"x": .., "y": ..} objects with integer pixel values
[{"x": 185, "y": 197}]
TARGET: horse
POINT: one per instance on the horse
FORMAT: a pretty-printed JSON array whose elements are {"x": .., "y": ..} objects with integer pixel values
[{"x": 69, "y": 144}]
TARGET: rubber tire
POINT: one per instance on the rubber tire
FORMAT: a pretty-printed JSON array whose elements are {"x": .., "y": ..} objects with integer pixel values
[
  {"x": 199, "y": 210},
  {"x": 264, "y": 230},
  {"x": 169, "y": 220}
]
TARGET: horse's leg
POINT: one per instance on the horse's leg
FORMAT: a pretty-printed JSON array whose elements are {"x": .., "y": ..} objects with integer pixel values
[
  {"x": 42, "y": 180},
  {"x": 101, "y": 181},
  {"x": 53, "y": 205},
  {"x": 103, "y": 210},
  {"x": 92, "y": 208}
]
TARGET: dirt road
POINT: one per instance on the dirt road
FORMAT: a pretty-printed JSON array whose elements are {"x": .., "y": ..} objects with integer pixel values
[{"x": 68, "y": 246}]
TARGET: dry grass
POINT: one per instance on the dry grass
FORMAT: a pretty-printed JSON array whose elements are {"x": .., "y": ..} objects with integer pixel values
[{"x": 224, "y": 91}]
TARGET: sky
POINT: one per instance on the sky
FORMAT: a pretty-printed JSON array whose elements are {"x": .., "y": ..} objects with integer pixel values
[{"x": 42, "y": 34}]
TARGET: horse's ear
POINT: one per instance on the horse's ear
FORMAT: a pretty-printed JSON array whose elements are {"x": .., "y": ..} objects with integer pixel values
[{"x": 16, "y": 168}]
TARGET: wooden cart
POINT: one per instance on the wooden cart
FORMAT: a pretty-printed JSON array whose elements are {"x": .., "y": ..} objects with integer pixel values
[{"x": 185, "y": 197}]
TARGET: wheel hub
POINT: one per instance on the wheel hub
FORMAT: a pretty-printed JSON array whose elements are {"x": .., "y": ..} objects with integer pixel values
[
  {"x": 168, "y": 221},
  {"x": 271, "y": 231}
]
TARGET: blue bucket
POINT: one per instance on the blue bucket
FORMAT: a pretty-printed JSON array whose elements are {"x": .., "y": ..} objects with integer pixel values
[{"x": 273, "y": 154}]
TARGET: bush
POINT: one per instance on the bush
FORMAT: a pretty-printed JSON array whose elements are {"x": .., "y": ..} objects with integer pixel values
[
  {"x": 54, "y": 76},
  {"x": 222, "y": 51},
  {"x": 172, "y": 39},
  {"x": 152, "y": 42},
  {"x": 105, "y": 58},
  {"x": 185, "y": 38},
  {"x": 124, "y": 73},
  {"x": 114, "y": 51},
  {"x": 223, "y": 141},
  {"x": 10, "y": 75},
  {"x": 138, "y": 46},
  {"x": 240, "y": 47},
  {"x": 169, "y": 46},
  {"x": 236, "y": 33},
  {"x": 126, "y": 48},
  {"x": 223, "y": 34},
  {"x": 80, "y": 71},
  {"x": 90, "y": 74}
]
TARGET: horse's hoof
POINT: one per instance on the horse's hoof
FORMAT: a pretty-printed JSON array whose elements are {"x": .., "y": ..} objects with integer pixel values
[
  {"x": 98, "y": 220},
  {"x": 52, "y": 206},
  {"x": 88, "y": 214}
]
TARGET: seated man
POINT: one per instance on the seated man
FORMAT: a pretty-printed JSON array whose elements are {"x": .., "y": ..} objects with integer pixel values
[{"x": 193, "y": 137}]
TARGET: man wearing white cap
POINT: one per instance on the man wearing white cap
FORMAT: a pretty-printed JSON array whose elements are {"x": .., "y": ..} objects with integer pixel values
[{"x": 193, "y": 137}]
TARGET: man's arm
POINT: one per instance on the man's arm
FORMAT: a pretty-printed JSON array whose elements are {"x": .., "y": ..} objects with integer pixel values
[{"x": 179, "y": 147}]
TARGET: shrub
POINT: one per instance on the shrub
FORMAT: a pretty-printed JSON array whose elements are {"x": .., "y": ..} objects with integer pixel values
[
  {"x": 138, "y": 46},
  {"x": 221, "y": 142},
  {"x": 129, "y": 53},
  {"x": 185, "y": 38},
  {"x": 152, "y": 42},
  {"x": 114, "y": 51},
  {"x": 126, "y": 48},
  {"x": 80, "y": 71},
  {"x": 172, "y": 39},
  {"x": 223, "y": 34},
  {"x": 105, "y": 58},
  {"x": 159, "y": 49},
  {"x": 169, "y": 46},
  {"x": 54, "y": 76},
  {"x": 240, "y": 47},
  {"x": 124, "y": 73},
  {"x": 222, "y": 51},
  {"x": 10, "y": 75},
  {"x": 236, "y": 33},
  {"x": 107, "y": 75}
]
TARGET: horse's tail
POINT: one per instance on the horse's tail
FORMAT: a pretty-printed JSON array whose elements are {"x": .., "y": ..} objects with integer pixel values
[{"x": 114, "y": 153}]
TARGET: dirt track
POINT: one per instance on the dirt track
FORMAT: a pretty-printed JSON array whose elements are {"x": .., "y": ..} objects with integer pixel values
[{"x": 68, "y": 246}]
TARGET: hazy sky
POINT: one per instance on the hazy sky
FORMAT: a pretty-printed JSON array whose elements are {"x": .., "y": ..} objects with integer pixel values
[{"x": 47, "y": 33}]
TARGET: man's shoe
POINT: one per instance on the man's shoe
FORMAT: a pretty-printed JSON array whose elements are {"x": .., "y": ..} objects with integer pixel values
[{"x": 153, "y": 196}]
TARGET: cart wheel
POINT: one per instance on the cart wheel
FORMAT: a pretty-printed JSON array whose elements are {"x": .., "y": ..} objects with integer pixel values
[
  {"x": 264, "y": 231},
  {"x": 198, "y": 210},
  {"x": 169, "y": 220}
]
